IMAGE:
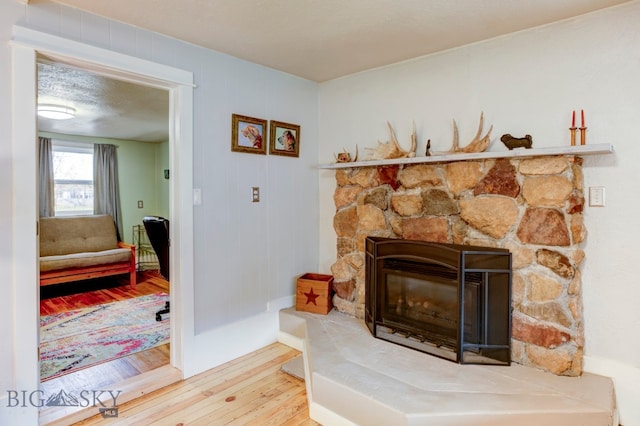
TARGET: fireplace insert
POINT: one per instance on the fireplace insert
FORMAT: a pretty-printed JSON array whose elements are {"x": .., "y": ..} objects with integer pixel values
[{"x": 448, "y": 300}]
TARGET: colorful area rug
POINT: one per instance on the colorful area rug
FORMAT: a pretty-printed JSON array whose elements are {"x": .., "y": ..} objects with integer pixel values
[{"x": 70, "y": 341}]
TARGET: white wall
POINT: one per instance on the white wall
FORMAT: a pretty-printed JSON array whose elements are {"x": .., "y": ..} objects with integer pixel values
[
  {"x": 246, "y": 255},
  {"x": 9, "y": 13},
  {"x": 527, "y": 82}
]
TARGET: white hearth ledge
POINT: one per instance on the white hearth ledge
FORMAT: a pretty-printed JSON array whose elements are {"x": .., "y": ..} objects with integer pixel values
[
  {"x": 597, "y": 149},
  {"x": 352, "y": 378}
]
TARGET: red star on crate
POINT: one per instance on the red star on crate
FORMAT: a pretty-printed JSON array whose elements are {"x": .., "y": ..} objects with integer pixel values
[{"x": 311, "y": 297}]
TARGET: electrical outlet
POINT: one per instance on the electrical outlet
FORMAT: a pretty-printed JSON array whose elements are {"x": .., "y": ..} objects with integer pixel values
[
  {"x": 140, "y": 204},
  {"x": 596, "y": 196},
  {"x": 255, "y": 194}
]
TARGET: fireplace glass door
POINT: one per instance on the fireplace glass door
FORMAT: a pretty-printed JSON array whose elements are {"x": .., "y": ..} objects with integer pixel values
[{"x": 453, "y": 305}]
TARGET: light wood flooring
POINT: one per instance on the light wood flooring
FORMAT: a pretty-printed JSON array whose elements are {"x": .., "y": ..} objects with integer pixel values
[{"x": 251, "y": 390}]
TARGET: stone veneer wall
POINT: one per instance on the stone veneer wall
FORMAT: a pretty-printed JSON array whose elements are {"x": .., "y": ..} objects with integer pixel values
[{"x": 533, "y": 207}]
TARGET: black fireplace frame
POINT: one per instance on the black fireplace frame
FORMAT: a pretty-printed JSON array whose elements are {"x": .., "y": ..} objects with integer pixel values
[{"x": 485, "y": 270}]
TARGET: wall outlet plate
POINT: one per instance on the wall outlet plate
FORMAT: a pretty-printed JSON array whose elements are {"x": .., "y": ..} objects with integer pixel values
[{"x": 596, "y": 196}]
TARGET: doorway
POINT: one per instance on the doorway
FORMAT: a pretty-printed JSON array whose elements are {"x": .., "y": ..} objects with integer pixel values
[{"x": 29, "y": 44}]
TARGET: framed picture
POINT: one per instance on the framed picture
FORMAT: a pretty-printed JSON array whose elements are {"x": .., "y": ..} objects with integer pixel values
[
  {"x": 248, "y": 134},
  {"x": 284, "y": 139}
]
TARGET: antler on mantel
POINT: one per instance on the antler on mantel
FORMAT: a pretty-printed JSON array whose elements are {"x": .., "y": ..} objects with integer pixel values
[
  {"x": 477, "y": 144},
  {"x": 392, "y": 149}
]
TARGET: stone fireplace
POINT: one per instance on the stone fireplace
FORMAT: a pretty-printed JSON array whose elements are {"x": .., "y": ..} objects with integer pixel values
[{"x": 530, "y": 206}]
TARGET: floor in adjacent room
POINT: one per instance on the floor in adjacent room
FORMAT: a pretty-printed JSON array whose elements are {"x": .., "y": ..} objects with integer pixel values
[{"x": 65, "y": 297}]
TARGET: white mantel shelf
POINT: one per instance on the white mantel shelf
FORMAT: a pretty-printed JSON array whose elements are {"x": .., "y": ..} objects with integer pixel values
[{"x": 597, "y": 149}]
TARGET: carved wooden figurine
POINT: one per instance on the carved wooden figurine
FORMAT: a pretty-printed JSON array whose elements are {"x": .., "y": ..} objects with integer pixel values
[{"x": 511, "y": 142}]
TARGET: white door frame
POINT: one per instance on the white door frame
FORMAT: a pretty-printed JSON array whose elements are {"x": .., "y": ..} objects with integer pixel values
[{"x": 26, "y": 45}]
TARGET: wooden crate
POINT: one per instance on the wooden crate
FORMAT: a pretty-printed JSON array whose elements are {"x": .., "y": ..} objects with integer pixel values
[{"x": 313, "y": 293}]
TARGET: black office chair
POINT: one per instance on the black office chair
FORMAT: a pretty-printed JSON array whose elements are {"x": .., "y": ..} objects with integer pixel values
[{"x": 158, "y": 233}]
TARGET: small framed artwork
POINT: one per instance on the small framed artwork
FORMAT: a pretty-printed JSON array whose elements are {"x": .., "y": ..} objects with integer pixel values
[
  {"x": 248, "y": 134},
  {"x": 284, "y": 139}
]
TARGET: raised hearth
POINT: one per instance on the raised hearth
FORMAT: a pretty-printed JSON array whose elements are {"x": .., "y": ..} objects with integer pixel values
[{"x": 353, "y": 378}]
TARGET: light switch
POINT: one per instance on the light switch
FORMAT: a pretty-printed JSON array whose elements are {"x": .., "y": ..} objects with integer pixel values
[
  {"x": 197, "y": 196},
  {"x": 596, "y": 196}
]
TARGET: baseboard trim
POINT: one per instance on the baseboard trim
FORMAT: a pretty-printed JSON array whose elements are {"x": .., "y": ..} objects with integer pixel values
[{"x": 327, "y": 417}]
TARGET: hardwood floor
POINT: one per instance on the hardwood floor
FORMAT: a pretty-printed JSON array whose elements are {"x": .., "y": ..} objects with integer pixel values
[
  {"x": 251, "y": 390},
  {"x": 65, "y": 297},
  {"x": 61, "y": 298}
]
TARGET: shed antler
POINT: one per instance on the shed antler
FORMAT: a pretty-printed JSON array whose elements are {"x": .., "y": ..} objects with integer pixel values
[
  {"x": 392, "y": 149},
  {"x": 477, "y": 144}
]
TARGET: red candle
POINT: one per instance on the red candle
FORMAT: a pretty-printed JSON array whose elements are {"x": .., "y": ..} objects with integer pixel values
[
  {"x": 582, "y": 113},
  {"x": 573, "y": 119}
]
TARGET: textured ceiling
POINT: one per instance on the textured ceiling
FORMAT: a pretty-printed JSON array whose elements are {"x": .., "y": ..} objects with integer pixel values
[
  {"x": 104, "y": 107},
  {"x": 325, "y": 39}
]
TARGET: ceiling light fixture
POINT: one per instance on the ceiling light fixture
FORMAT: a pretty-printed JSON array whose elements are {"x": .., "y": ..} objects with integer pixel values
[{"x": 56, "y": 112}]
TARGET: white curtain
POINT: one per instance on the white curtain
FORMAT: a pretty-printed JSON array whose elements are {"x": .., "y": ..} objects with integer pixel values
[
  {"x": 106, "y": 193},
  {"x": 46, "y": 197}
]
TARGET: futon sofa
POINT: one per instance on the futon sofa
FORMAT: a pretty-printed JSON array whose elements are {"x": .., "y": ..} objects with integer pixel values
[{"x": 75, "y": 248}]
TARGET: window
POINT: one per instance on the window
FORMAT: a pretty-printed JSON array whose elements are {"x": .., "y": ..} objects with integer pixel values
[{"x": 73, "y": 178}]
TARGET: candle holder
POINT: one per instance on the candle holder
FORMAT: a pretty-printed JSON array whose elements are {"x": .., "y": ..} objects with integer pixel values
[
  {"x": 573, "y": 135},
  {"x": 583, "y": 135}
]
